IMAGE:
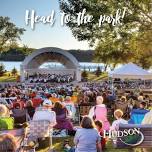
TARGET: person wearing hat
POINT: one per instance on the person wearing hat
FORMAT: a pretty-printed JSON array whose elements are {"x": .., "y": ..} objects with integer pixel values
[
  {"x": 47, "y": 101},
  {"x": 45, "y": 113}
]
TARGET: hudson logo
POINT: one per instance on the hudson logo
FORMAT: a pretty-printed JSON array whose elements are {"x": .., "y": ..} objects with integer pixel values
[{"x": 130, "y": 137}]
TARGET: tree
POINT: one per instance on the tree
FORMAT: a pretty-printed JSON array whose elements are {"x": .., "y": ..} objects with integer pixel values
[
  {"x": 9, "y": 33},
  {"x": 137, "y": 20},
  {"x": 26, "y": 50},
  {"x": 2, "y": 69},
  {"x": 109, "y": 52},
  {"x": 14, "y": 71},
  {"x": 98, "y": 71},
  {"x": 138, "y": 15},
  {"x": 84, "y": 74},
  {"x": 143, "y": 47}
]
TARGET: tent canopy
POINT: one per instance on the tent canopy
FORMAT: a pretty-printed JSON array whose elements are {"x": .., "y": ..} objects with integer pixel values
[{"x": 130, "y": 71}]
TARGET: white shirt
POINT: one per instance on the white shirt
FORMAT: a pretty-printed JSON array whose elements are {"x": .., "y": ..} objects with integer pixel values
[
  {"x": 45, "y": 115},
  {"x": 148, "y": 118},
  {"x": 116, "y": 123}
]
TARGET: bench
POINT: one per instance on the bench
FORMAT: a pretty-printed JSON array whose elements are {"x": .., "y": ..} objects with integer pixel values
[{"x": 145, "y": 142}]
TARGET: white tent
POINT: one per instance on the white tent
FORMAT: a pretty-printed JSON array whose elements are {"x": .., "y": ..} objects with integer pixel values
[{"x": 130, "y": 71}]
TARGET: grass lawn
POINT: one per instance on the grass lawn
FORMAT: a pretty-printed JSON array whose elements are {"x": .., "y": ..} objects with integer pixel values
[
  {"x": 58, "y": 143},
  {"x": 7, "y": 77},
  {"x": 93, "y": 77}
]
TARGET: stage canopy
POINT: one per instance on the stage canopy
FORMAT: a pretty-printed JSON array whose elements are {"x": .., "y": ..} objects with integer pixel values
[
  {"x": 31, "y": 63},
  {"x": 130, "y": 71}
]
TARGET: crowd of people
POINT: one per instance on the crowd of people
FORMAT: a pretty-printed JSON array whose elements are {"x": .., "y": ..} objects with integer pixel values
[
  {"x": 50, "y": 78},
  {"x": 132, "y": 84},
  {"x": 24, "y": 103}
]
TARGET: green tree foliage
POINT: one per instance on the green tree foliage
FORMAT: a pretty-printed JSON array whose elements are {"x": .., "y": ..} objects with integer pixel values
[
  {"x": 2, "y": 69},
  {"x": 26, "y": 50},
  {"x": 14, "y": 71},
  {"x": 84, "y": 74},
  {"x": 98, "y": 71},
  {"x": 9, "y": 33},
  {"x": 143, "y": 47},
  {"x": 110, "y": 53},
  {"x": 114, "y": 44}
]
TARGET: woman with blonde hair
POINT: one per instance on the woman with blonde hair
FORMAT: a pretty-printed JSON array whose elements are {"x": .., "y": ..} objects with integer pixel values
[
  {"x": 4, "y": 111},
  {"x": 119, "y": 120},
  {"x": 7, "y": 143}
]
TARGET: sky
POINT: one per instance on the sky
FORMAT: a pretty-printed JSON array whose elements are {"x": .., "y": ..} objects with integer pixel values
[{"x": 42, "y": 35}]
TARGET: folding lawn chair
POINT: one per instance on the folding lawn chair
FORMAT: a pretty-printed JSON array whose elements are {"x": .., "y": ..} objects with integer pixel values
[{"x": 41, "y": 128}]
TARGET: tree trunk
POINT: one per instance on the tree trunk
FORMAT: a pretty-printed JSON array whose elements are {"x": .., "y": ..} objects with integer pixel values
[{"x": 105, "y": 67}]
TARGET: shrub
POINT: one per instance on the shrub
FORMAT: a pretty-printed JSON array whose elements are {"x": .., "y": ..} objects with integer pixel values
[{"x": 2, "y": 69}]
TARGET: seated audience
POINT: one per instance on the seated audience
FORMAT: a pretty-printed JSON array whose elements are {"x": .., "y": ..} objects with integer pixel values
[
  {"x": 45, "y": 113},
  {"x": 63, "y": 122},
  {"x": 119, "y": 120},
  {"x": 137, "y": 115},
  {"x": 70, "y": 107},
  {"x": 146, "y": 98},
  {"x": 54, "y": 98},
  {"x": 19, "y": 101},
  {"x": 141, "y": 97},
  {"x": 47, "y": 99},
  {"x": 87, "y": 138},
  {"x": 150, "y": 105},
  {"x": 100, "y": 130},
  {"x": 131, "y": 105},
  {"x": 122, "y": 105},
  {"x": 19, "y": 114},
  {"x": 36, "y": 101},
  {"x": 132, "y": 96},
  {"x": 4, "y": 111},
  {"x": 6, "y": 122},
  {"x": 7, "y": 143},
  {"x": 30, "y": 109},
  {"x": 3, "y": 99},
  {"x": 147, "y": 118},
  {"x": 99, "y": 112}
]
